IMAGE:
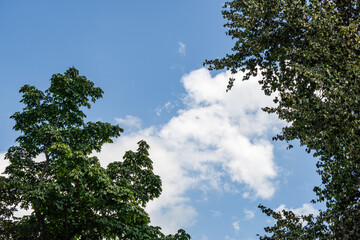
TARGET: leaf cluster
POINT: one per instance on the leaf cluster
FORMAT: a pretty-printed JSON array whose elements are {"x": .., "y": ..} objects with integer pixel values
[
  {"x": 68, "y": 193},
  {"x": 308, "y": 54}
]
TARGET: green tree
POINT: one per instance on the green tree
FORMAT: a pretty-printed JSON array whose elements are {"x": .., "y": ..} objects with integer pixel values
[
  {"x": 308, "y": 53},
  {"x": 69, "y": 194}
]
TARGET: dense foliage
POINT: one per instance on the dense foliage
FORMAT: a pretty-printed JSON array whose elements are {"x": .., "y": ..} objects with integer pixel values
[
  {"x": 308, "y": 53},
  {"x": 69, "y": 195}
]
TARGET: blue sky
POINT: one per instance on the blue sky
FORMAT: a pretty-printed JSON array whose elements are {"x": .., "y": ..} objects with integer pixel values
[{"x": 212, "y": 149}]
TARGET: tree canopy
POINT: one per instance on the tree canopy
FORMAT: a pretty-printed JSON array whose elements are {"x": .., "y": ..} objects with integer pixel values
[
  {"x": 308, "y": 54},
  {"x": 52, "y": 174}
]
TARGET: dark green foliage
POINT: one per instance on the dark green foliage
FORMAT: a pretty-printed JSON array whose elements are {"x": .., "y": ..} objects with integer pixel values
[
  {"x": 69, "y": 194},
  {"x": 308, "y": 53}
]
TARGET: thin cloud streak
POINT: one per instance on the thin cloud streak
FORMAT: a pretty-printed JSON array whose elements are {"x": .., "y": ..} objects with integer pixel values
[
  {"x": 129, "y": 121},
  {"x": 182, "y": 48}
]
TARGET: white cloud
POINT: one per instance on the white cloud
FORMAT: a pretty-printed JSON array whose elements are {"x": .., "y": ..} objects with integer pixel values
[
  {"x": 249, "y": 214},
  {"x": 305, "y": 209},
  {"x": 3, "y": 163},
  {"x": 129, "y": 121},
  {"x": 236, "y": 225},
  {"x": 218, "y": 140},
  {"x": 182, "y": 48}
]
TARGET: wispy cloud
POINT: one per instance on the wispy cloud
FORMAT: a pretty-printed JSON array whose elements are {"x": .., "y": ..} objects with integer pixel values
[
  {"x": 229, "y": 238},
  {"x": 129, "y": 121},
  {"x": 236, "y": 225},
  {"x": 215, "y": 213},
  {"x": 182, "y": 48},
  {"x": 249, "y": 214},
  {"x": 168, "y": 106}
]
